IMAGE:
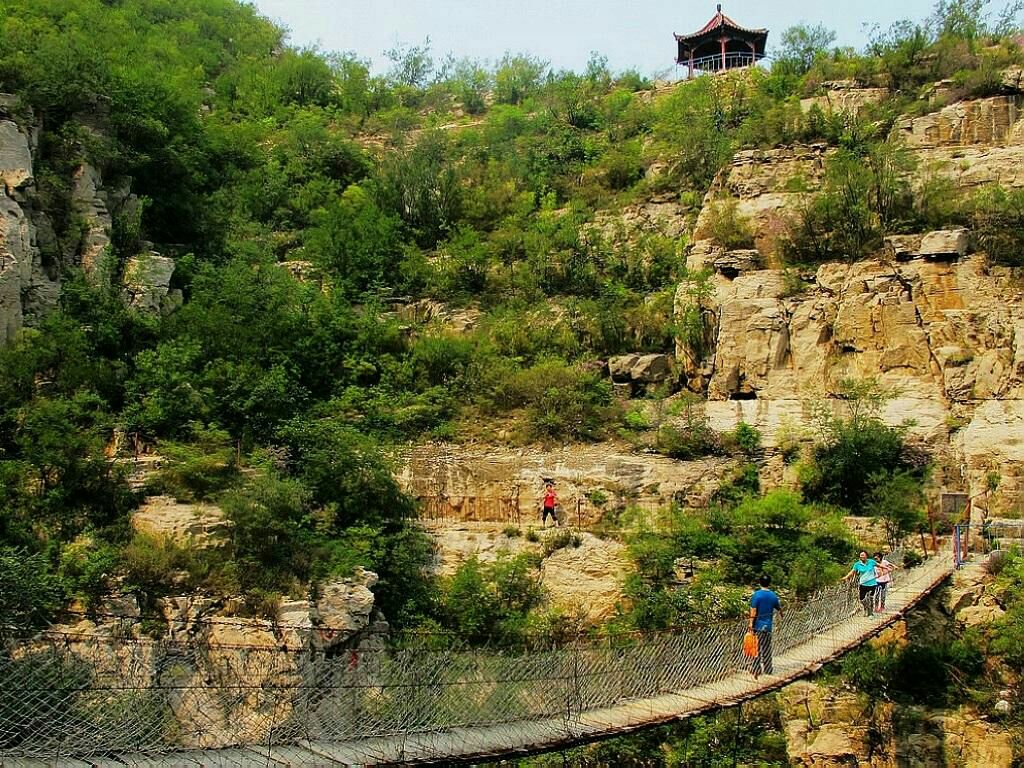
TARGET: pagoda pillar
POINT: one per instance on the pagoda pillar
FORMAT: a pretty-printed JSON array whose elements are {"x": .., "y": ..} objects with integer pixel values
[{"x": 724, "y": 41}]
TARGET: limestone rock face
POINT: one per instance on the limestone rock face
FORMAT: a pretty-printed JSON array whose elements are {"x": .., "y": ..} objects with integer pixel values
[
  {"x": 495, "y": 484},
  {"x": 586, "y": 580},
  {"x": 195, "y": 525},
  {"x": 15, "y": 156},
  {"x": 25, "y": 283},
  {"x": 844, "y": 97},
  {"x": 993, "y": 442},
  {"x": 982, "y": 121},
  {"x": 768, "y": 186},
  {"x": 90, "y": 202},
  {"x": 928, "y": 320},
  {"x": 458, "y": 542},
  {"x": 830, "y": 727},
  {"x": 660, "y": 215},
  {"x": 147, "y": 280},
  {"x": 264, "y": 655}
]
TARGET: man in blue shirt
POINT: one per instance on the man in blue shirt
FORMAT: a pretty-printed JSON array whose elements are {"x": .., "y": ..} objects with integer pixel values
[{"x": 763, "y": 606}]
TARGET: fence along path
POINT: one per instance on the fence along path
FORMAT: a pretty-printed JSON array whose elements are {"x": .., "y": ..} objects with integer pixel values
[{"x": 109, "y": 701}]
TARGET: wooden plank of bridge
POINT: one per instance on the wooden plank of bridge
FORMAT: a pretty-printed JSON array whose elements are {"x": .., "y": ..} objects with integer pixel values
[{"x": 210, "y": 758}]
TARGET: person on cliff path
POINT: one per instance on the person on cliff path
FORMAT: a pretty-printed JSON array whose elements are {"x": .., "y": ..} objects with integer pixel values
[
  {"x": 866, "y": 571},
  {"x": 763, "y": 605},
  {"x": 549, "y": 505},
  {"x": 885, "y": 569}
]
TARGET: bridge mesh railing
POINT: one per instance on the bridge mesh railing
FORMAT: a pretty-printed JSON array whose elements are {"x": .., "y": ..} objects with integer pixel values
[{"x": 113, "y": 691}]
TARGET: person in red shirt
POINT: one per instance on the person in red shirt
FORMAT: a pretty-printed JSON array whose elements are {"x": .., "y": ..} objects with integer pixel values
[{"x": 549, "y": 506}]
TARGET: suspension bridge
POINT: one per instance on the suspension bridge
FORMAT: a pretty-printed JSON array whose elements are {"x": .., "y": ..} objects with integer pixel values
[{"x": 117, "y": 699}]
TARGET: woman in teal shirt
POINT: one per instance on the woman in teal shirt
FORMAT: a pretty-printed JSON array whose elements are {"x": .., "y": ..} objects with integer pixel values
[{"x": 866, "y": 571}]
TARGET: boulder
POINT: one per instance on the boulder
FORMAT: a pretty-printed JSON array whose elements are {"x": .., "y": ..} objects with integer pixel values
[
  {"x": 946, "y": 243},
  {"x": 903, "y": 247},
  {"x": 980, "y": 615},
  {"x": 640, "y": 369},
  {"x": 344, "y": 607},
  {"x": 620, "y": 367},
  {"x": 1012, "y": 79},
  {"x": 652, "y": 369}
]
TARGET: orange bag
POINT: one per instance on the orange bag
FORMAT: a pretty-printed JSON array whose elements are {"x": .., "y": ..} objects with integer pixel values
[{"x": 750, "y": 645}]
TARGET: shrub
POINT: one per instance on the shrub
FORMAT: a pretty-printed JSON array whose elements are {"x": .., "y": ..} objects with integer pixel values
[
  {"x": 87, "y": 568},
  {"x": 839, "y": 224},
  {"x": 570, "y": 405},
  {"x": 998, "y": 222},
  {"x": 560, "y": 540},
  {"x": 746, "y": 438},
  {"x": 491, "y": 602},
  {"x": 29, "y": 591},
  {"x": 856, "y": 451},
  {"x": 622, "y": 166},
  {"x": 693, "y": 331},
  {"x": 727, "y": 227},
  {"x": 198, "y": 469},
  {"x": 153, "y": 566},
  {"x": 897, "y": 499},
  {"x": 691, "y": 437},
  {"x": 923, "y": 674},
  {"x": 636, "y": 419}
]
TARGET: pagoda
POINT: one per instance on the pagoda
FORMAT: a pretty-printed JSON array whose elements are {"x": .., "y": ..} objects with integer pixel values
[{"x": 721, "y": 44}]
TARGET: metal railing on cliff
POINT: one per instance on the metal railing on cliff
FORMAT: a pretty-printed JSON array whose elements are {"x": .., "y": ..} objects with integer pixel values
[{"x": 111, "y": 695}]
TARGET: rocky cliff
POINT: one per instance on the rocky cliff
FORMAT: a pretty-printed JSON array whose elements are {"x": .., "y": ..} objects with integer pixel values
[
  {"x": 505, "y": 484},
  {"x": 29, "y": 282},
  {"x": 34, "y": 259},
  {"x": 927, "y": 318}
]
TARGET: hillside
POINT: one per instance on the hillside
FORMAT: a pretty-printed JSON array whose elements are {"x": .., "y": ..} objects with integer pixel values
[{"x": 285, "y": 340}]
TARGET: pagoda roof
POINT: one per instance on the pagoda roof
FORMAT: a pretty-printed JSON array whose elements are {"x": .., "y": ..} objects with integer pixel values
[{"x": 719, "y": 21}]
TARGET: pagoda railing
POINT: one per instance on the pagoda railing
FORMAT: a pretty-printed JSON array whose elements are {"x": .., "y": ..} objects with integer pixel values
[{"x": 716, "y": 62}]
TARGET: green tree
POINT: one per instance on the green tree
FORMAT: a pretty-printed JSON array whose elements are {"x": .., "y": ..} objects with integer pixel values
[
  {"x": 411, "y": 65},
  {"x": 471, "y": 82},
  {"x": 801, "y": 46},
  {"x": 29, "y": 592},
  {"x": 421, "y": 186},
  {"x": 516, "y": 77},
  {"x": 897, "y": 499},
  {"x": 855, "y": 450},
  {"x": 356, "y": 241}
]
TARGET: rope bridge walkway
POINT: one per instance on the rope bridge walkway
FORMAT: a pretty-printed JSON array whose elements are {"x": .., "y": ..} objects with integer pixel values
[{"x": 106, "y": 700}]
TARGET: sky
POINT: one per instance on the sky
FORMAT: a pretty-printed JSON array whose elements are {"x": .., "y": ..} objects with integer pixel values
[{"x": 633, "y": 34}]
